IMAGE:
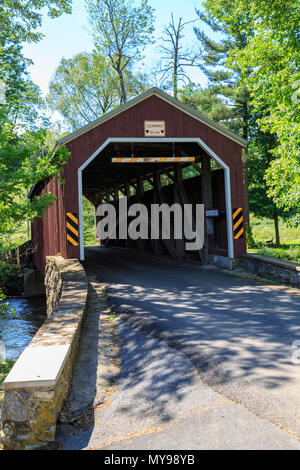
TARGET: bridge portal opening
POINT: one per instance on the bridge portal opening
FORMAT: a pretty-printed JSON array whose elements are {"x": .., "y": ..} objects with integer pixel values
[{"x": 157, "y": 171}]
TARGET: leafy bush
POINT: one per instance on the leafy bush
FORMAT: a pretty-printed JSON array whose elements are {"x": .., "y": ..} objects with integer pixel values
[
  {"x": 249, "y": 235},
  {"x": 3, "y": 305},
  {"x": 4, "y": 371},
  {"x": 291, "y": 253},
  {"x": 11, "y": 278}
]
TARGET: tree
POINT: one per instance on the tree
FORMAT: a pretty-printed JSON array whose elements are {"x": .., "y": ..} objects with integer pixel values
[
  {"x": 211, "y": 104},
  {"x": 227, "y": 82},
  {"x": 19, "y": 19},
  {"x": 24, "y": 160},
  {"x": 121, "y": 31},
  {"x": 269, "y": 64},
  {"x": 85, "y": 87},
  {"x": 260, "y": 156},
  {"x": 175, "y": 58}
]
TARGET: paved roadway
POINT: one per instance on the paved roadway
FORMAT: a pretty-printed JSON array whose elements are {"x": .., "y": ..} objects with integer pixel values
[{"x": 206, "y": 358}]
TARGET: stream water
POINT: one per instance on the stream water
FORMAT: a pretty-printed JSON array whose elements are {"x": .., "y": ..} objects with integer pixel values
[{"x": 17, "y": 330}]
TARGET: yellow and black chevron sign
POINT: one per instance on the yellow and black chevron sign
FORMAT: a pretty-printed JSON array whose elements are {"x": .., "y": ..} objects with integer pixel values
[
  {"x": 72, "y": 228},
  {"x": 237, "y": 220}
]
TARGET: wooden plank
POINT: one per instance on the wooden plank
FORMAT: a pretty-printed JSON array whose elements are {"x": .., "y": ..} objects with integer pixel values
[
  {"x": 152, "y": 159},
  {"x": 169, "y": 244},
  {"x": 185, "y": 200},
  {"x": 207, "y": 197},
  {"x": 179, "y": 244}
]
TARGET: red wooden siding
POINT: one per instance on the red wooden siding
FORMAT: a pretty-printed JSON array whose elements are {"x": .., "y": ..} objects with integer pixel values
[{"x": 129, "y": 123}]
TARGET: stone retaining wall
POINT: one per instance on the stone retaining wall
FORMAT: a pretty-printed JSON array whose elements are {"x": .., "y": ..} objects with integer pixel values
[
  {"x": 53, "y": 282},
  {"x": 272, "y": 268},
  {"x": 38, "y": 384}
]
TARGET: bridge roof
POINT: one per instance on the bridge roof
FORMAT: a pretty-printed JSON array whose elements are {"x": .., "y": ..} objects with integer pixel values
[{"x": 164, "y": 96}]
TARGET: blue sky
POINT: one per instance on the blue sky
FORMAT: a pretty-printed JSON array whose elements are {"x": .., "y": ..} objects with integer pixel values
[{"x": 68, "y": 35}]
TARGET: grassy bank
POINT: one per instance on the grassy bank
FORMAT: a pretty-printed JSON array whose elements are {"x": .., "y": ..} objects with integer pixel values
[
  {"x": 286, "y": 252},
  {"x": 263, "y": 230},
  {"x": 15, "y": 239}
]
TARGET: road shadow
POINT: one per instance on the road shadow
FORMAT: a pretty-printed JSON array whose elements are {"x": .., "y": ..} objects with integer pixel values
[{"x": 212, "y": 317}]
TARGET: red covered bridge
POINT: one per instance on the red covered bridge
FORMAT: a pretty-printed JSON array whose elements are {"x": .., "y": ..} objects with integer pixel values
[{"x": 171, "y": 138}]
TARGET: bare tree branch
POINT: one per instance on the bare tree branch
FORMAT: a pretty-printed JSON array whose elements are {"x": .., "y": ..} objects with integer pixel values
[{"x": 175, "y": 58}]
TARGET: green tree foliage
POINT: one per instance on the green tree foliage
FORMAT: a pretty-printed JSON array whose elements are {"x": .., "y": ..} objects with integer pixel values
[
  {"x": 20, "y": 19},
  {"x": 23, "y": 162},
  {"x": 269, "y": 65},
  {"x": 83, "y": 88},
  {"x": 210, "y": 103},
  {"x": 231, "y": 96},
  {"x": 259, "y": 158},
  {"x": 87, "y": 86},
  {"x": 227, "y": 82},
  {"x": 24, "y": 159},
  {"x": 3, "y": 305},
  {"x": 121, "y": 30}
]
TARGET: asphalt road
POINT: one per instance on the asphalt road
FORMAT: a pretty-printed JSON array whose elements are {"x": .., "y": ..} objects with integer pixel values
[{"x": 206, "y": 359}]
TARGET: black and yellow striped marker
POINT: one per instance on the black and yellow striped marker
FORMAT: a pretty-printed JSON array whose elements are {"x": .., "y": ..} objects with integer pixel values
[
  {"x": 237, "y": 220},
  {"x": 72, "y": 228}
]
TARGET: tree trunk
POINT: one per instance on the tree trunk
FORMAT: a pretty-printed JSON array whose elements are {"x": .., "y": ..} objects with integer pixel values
[
  {"x": 175, "y": 89},
  {"x": 175, "y": 66},
  {"x": 123, "y": 87},
  {"x": 175, "y": 74},
  {"x": 276, "y": 225},
  {"x": 245, "y": 163}
]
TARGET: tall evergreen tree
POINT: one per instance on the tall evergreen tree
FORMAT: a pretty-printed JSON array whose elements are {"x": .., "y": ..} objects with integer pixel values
[
  {"x": 210, "y": 103},
  {"x": 269, "y": 65},
  {"x": 260, "y": 156},
  {"x": 226, "y": 83}
]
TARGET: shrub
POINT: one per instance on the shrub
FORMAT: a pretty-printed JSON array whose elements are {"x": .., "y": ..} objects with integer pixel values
[
  {"x": 11, "y": 278},
  {"x": 249, "y": 236},
  {"x": 289, "y": 253}
]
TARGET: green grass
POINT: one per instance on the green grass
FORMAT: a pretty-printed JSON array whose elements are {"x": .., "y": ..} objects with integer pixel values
[
  {"x": 89, "y": 230},
  {"x": 263, "y": 230},
  {"x": 4, "y": 371},
  {"x": 14, "y": 239},
  {"x": 20, "y": 236},
  {"x": 287, "y": 252}
]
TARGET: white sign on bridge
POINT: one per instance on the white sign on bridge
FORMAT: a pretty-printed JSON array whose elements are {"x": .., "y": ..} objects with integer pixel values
[{"x": 155, "y": 128}]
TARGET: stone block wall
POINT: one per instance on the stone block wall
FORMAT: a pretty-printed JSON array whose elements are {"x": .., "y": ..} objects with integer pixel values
[
  {"x": 272, "y": 268},
  {"x": 53, "y": 282},
  {"x": 33, "y": 399}
]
